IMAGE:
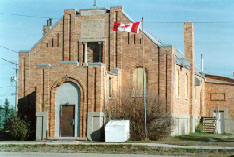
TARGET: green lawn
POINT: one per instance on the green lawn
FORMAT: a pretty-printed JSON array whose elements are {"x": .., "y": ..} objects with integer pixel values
[
  {"x": 200, "y": 139},
  {"x": 116, "y": 149},
  {"x": 185, "y": 140}
]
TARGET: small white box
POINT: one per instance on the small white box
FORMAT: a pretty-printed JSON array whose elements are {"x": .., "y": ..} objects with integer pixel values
[{"x": 117, "y": 131}]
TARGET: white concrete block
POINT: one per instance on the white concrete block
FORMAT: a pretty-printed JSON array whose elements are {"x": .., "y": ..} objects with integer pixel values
[{"x": 117, "y": 131}]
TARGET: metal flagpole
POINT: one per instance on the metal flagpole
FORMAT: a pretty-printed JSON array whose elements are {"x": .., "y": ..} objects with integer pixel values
[{"x": 143, "y": 70}]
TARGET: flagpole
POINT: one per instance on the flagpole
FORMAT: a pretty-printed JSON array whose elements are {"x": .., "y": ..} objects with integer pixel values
[{"x": 143, "y": 70}]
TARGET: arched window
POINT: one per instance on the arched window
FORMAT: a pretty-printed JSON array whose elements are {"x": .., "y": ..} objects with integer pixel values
[
  {"x": 138, "y": 81},
  {"x": 177, "y": 83},
  {"x": 186, "y": 86}
]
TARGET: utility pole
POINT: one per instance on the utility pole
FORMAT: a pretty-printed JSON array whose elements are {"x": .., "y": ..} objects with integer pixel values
[
  {"x": 15, "y": 79},
  {"x": 95, "y": 3}
]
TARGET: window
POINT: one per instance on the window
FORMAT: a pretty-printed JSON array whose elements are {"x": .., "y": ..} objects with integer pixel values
[
  {"x": 58, "y": 40},
  {"x": 186, "y": 86},
  {"x": 110, "y": 88},
  {"x": 177, "y": 83},
  {"x": 128, "y": 38},
  {"x": 138, "y": 81},
  {"x": 134, "y": 38}
]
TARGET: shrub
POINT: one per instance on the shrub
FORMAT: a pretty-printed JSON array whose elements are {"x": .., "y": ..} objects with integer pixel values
[
  {"x": 27, "y": 111},
  {"x": 199, "y": 128},
  {"x": 17, "y": 129},
  {"x": 132, "y": 108}
]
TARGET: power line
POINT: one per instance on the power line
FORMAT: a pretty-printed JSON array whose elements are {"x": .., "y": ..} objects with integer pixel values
[
  {"x": 9, "y": 61},
  {"x": 15, "y": 79},
  {"x": 8, "y": 49},
  {"x": 8, "y": 87},
  {"x": 199, "y": 22},
  {"x": 46, "y": 17},
  {"x": 22, "y": 15}
]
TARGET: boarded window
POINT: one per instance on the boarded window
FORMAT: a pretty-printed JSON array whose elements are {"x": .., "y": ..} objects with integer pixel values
[
  {"x": 93, "y": 52},
  {"x": 138, "y": 81}
]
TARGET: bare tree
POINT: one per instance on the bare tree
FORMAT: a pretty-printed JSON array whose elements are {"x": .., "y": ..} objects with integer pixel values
[{"x": 131, "y": 107}]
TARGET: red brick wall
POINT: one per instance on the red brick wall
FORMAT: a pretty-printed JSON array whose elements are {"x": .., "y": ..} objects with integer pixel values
[
  {"x": 219, "y": 91},
  {"x": 64, "y": 43},
  {"x": 181, "y": 104}
]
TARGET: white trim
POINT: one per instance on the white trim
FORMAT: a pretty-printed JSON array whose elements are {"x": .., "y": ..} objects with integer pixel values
[{"x": 216, "y": 82}]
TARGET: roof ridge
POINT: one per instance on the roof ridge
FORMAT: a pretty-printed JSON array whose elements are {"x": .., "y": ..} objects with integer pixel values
[
  {"x": 148, "y": 34},
  {"x": 46, "y": 34}
]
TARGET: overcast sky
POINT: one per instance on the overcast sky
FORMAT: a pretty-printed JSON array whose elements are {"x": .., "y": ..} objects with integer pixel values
[{"x": 213, "y": 23}]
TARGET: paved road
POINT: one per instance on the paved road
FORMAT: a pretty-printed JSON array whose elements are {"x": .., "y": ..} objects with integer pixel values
[{"x": 17, "y": 154}]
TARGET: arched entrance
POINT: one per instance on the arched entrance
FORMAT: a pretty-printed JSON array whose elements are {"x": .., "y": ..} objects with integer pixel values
[{"x": 67, "y": 121}]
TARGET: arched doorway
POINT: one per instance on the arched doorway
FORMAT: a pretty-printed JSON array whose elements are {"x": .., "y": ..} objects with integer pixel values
[{"x": 67, "y": 122}]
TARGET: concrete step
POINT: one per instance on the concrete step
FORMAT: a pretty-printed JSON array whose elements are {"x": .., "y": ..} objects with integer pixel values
[
  {"x": 209, "y": 124},
  {"x": 68, "y": 138}
]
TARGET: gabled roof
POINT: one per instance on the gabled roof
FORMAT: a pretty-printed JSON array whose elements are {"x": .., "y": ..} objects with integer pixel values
[
  {"x": 27, "y": 51},
  {"x": 225, "y": 77},
  {"x": 148, "y": 34},
  {"x": 179, "y": 56}
]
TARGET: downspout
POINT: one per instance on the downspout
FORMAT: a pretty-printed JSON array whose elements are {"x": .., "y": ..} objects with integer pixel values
[
  {"x": 158, "y": 72},
  {"x": 166, "y": 84}
]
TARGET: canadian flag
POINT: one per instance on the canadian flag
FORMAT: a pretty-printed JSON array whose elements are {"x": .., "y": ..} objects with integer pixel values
[{"x": 132, "y": 27}]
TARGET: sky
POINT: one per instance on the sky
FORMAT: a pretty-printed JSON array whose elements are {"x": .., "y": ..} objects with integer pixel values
[{"x": 21, "y": 27}]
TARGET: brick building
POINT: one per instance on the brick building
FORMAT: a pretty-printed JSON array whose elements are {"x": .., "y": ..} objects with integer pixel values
[
  {"x": 80, "y": 64},
  {"x": 220, "y": 99}
]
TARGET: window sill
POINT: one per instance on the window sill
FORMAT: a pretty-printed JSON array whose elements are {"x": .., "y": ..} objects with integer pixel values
[{"x": 137, "y": 95}]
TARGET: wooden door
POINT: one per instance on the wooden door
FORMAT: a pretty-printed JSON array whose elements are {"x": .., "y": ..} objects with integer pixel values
[{"x": 67, "y": 120}]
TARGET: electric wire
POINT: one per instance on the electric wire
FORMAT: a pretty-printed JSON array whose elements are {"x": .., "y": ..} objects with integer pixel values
[
  {"x": 196, "y": 22},
  {"x": 22, "y": 15},
  {"x": 47, "y": 17},
  {"x": 8, "y": 87},
  {"x": 4, "y": 47}
]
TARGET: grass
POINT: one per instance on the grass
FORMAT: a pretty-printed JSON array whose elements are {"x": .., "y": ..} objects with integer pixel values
[
  {"x": 128, "y": 148},
  {"x": 116, "y": 149},
  {"x": 195, "y": 139}
]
